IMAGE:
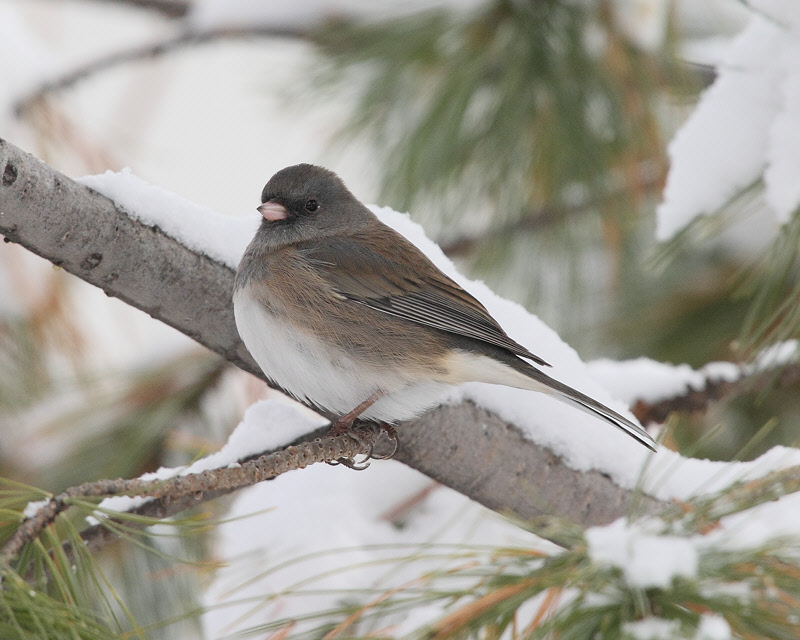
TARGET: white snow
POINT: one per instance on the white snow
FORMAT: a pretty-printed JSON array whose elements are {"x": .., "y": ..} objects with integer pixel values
[
  {"x": 786, "y": 14},
  {"x": 646, "y": 557},
  {"x": 757, "y": 526},
  {"x": 649, "y": 557},
  {"x": 783, "y": 150},
  {"x": 32, "y": 508},
  {"x": 744, "y": 128},
  {"x": 648, "y": 380},
  {"x": 312, "y": 540},
  {"x": 713, "y": 627},
  {"x": 652, "y": 629},
  {"x": 710, "y": 18},
  {"x": 710, "y": 627},
  {"x": 651, "y": 381},
  {"x": 266, "y": 425},
  {"x": 222, "y": 238}
]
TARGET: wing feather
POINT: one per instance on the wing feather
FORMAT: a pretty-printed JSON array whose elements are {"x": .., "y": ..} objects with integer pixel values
[{"x": 404, "y": 283}]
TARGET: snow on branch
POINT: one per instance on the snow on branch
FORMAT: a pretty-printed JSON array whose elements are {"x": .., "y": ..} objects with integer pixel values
[
  {"x": 513, "y": 451},
  {"x": 656, "y": 389},
  {"x": 745, "y": 128},
  {"x": 468, "y": 447}
]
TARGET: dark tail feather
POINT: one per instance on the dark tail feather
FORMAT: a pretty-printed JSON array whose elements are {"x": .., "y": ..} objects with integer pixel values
[{"x": 580, "y": 400}]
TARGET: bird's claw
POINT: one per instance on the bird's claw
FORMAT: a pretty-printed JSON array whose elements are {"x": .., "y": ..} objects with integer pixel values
[
  {"x": 352, "y": 463},
  {"x": 391, "y": 434}
]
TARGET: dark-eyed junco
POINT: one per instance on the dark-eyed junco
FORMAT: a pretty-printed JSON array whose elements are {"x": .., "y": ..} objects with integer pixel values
[{"x": 345, "y": 313}]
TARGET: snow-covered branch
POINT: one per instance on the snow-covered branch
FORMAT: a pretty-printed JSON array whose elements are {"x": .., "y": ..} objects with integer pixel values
[
  {"x": 656, "y": 389},
  {"x": 463, "y": 445},
  {"x": 697, "y": 400}
]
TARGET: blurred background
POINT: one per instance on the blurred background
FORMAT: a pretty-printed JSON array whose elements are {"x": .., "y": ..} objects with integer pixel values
[{"x": 528, "y": 138}]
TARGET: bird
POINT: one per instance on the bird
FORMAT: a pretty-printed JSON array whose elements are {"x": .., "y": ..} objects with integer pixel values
[{"x": 346, "y": 314}]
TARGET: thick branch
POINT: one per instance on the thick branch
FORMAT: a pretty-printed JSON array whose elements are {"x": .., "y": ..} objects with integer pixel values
[{"x": 464, "y": 447}]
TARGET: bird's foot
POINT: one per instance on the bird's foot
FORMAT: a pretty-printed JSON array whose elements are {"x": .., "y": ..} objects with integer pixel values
[
  {"x": 344, "y": 427},
  {"x": 394, "y": 441},
  {"x": 340, "y": 428}
]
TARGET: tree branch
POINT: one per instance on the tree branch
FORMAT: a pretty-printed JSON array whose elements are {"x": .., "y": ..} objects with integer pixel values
[
  {"x": 692, "y": 400},
  {"x": 697, "y": 400},
  {"x": 194, "y": 485},
  {"x": 650, "y": 178},
  {"x": 169, "y": 8},
  {"x": 180, "y": 41},
  {"x": 464, "y": 446}
]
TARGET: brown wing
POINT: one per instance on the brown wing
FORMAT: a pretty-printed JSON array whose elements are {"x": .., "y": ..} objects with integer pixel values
[{"x": 401, "y": 281}]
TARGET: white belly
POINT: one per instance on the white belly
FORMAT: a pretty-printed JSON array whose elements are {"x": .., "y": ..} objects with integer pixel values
[{"x": 324, "y": 375}]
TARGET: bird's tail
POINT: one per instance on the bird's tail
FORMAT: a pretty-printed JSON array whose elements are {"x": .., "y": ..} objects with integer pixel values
[
  {"x": 580, "y": 400},
  {"x": 501, "y": 367},
  {"x": 539, "y": 381}
]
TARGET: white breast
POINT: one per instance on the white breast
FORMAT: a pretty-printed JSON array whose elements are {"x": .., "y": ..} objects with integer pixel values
[{"x": 318, "y": 372}]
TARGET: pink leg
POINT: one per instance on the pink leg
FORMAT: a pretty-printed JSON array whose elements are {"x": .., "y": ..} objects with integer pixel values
[{"x": 343, "y": 424}]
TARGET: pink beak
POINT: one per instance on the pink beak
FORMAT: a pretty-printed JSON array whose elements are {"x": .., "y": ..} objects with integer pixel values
[{"x": 272, "y": 211}]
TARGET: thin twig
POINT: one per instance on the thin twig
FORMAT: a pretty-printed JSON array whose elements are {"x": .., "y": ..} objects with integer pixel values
[
  {"x": 271, "y": 465},
  {"x": 400, "y": 510}
]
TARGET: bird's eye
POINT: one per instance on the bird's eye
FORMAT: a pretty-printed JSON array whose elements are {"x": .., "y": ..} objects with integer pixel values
[{"x": 312, "y": 206}]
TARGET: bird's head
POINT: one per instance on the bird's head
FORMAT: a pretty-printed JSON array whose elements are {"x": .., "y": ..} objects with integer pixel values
[{"x": 305, "y": 202}]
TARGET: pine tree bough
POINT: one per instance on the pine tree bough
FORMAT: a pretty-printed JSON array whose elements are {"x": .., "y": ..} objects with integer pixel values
[{"x": 464, "y": 446}]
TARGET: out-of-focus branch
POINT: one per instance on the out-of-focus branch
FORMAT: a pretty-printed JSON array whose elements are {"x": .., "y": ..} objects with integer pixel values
[
  {"x": 697, "y": 400},
  {"x": 650, "y": 179},
  {"x": 169, "y": 8},
  {"x": 180, "y": 41},
  {"x": 463, "y": 446}
]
